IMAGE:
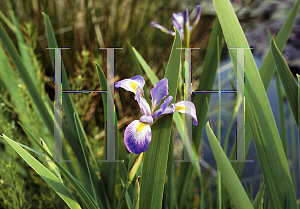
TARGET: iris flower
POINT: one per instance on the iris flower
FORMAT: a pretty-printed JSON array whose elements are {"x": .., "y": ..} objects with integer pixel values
[
  {"x": 137, "y": 134},
  {"x": 180, "y": 21}
]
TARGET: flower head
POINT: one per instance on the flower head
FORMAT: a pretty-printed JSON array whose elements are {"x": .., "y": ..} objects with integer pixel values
[
  {"x": 180, "y": 21},
  {"x": 138, "y": 134}
]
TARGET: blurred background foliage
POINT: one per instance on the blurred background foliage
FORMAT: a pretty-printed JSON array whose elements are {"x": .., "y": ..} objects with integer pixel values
[{"x": 85, "y": 25}]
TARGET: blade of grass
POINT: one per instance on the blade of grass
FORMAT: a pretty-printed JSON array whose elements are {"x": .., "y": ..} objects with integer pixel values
[
  {"x": 108, "y": 170},
  {"x": 206, "y": 82},
  {"x": 155, "y": 162},
  {"x": 138, "y": 68},
  {"x": 268, "y": 66},
  {"x": 91, "y": 181},
  {"x": 259, "y": 197},
  {"x": 298, "y": 77},
  {"x": 18, "y": 98},
  {"x": 69, "y": 109},
  {"x": 170, "y": 186},
  {"x": 51, "y": 165},
  {"x": 17, "y": 60},
  {"x": 287, "y": 79},
  {"x": 178, "y": 122},
  {"x": 30, "y": 149},
  {"x": 7, "y": 22},
  {"x": 47, "y": 175},
  {"x": 260, "y": 117},
  {"x": 152, "y": 77},
  {"x": 281, "y": 114},
  {"x": 127, "y": 198},
  {"x": 22, "y": 45},
  {"x": 82, "y": 192},
  {"x": 230, "y": 179},
  {"x": 219, "y": 128}
]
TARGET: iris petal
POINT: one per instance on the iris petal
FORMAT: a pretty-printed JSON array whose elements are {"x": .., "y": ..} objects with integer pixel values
[
  {"x": 186, "y": 17},
  {"x": 146, "y": 119},
  {"x": 166, "y": 103},
  {"x": 137, "y": 137},
  {"x": 171, "y": 32},
  {"x": 197, "y": 16},
  {"x": 187, "y": 107},
  {"x": 159, "y": 92},
  {"x": 162, "y": 28},
  {"x": 178, "y": 20},
  {"x": 144, "y": 106},
  {"x": 168, "y": 110},
  {"x": 131, "y": 84}
]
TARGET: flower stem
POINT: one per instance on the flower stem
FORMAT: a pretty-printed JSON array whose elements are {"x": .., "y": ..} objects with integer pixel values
[{"x": 130, "y": 176}]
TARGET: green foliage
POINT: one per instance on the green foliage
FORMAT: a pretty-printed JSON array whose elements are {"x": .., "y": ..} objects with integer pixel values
[{"x": 26, "y": 110}]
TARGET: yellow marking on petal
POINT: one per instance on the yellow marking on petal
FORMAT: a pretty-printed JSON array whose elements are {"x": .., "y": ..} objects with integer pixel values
[
  {"x": 133, "y": 86},
  {"x": 140, "y": 127},
  {"x": 179, "y": 108}
]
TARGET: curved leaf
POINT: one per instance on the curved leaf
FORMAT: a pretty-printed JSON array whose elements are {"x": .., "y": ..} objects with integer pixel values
[
  {"x": 47, "y": 175},
  {"x": 289, "y": 84},
  {"x": 229, "y": 177},
  {"x": 260, "y": 117}
]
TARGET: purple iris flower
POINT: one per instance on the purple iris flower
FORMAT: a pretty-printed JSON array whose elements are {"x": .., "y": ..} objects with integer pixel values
[
  {"x": 180, "y": 21},
  {"x": 137, "y": 134}
]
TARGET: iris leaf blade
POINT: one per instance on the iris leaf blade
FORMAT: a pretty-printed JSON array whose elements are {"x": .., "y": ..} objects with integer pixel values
[
  {"x": 156, "y": 157},
  {"x": 69, "y": 109},
  {"x": 260, "y": 117},
  {"x": 82, "y": 192},
  {"x": 289, "y": 84},
  {"x": 206, "y": 82},
  {"x": 47, "y": 175},
  {"x": 268, "y": 66},
  {"x": 153, "y": 78},
  {"x": 229, "y": 177}
]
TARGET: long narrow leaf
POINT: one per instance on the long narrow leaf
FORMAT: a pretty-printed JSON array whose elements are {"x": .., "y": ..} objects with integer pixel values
[
  {"x": 108, "y": 171},
  {"x": 259, "y": 197},
  {"x": 146, "y": 67},
  {"x": 287, "y": 79},
  {"x": 69, "y": 109},
  {"x": 230, "y": 179},
  {"x": 267, "y": 68},
  {"x": 23, "y": 47},
  {"x": 156, "y": 157},
  {"x": 206, "y": 82},
  {"x": 81, "y": 191},
  {"x": 29, "y": 83},
  {"x": 47, "y": 175},
  {"x": 266, "y": 137}
]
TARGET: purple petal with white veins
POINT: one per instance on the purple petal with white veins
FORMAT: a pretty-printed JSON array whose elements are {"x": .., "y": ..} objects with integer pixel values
[
  {"x": 197, "y": 16},
  {"x": 159, "y": 92},
  {"x": 167, "y": 101},
  {"x": 157, "y": 113},
  {"x": 162, "y": 28},
  {"x": 131, "y": 84},
  {"x": 187, "y": 107},
  {"x": 137, "y": 137},
  {"x": 143, "y": 104},
  {"x": 168, "y": 110},
  {"x": 178, "y": 20},
  {"x": 146, "y": 119}
]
